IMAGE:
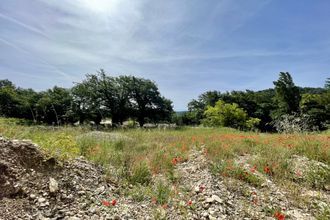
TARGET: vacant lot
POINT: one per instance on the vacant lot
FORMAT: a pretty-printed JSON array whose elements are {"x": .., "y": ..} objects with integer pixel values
[{"x": 200, "y": 172}]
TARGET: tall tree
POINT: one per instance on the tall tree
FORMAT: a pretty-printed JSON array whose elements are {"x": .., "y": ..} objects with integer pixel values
[
  {"x": 287, "y": 95},
  {"x": 147, "y": 103}
]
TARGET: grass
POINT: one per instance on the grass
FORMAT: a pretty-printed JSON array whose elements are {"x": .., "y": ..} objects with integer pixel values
[{"x": 139, "y": 154}]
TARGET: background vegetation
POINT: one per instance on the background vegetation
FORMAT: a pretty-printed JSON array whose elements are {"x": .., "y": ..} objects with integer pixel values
[{"x": 284, "y": 108}]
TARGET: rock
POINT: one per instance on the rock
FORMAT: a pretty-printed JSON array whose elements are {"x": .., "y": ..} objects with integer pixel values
[
  {"x": 196, "y": 189},
  {"x": 41, "y": 200},
  {"x": 214, "y": 198},
  {"x": 100, "y": 190},
  {"x": 73, "y": 218},
  {"x": 209, "y": 200},
  {"x": 53, "y": 185},
  {"x": 217, "y": 198},
  {"x": 212, "y": 218}
]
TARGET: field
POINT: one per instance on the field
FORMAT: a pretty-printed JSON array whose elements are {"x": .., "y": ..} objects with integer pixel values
[{"x": 150, "y": 164}]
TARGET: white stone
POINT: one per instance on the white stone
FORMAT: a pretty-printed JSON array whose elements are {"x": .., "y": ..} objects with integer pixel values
[{"x": 53, "y": 185}]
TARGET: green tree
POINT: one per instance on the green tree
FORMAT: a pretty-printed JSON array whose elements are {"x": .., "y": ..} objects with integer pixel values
[
  {"x": 9, "y": 101},
  {"x": 55, "y": 105},
  {"x": 327, "y": 84},
  {"x": 197, "y": 107},
  {"x": 287, "y": 95},
  {"x": 311, "y": 105},
  {"x": 146, "y": 101},
  {"x": 228, "y": 115}
]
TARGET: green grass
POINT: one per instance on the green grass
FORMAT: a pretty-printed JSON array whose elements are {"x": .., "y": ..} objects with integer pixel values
[{"x": 138, "y": 154}]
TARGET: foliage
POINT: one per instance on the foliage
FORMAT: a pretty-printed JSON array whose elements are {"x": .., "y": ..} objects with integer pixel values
[
  {"x": 287, "y": 95},
  {"x": 162, "y": 193},
  {"x": 97, "y": 97},
  {"x": 228, "y": 115},
  {"x": 140, "y": 174}
]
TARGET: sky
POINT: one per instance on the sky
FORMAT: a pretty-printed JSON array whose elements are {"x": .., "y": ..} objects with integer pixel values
[{"x": 186, "y": 46}]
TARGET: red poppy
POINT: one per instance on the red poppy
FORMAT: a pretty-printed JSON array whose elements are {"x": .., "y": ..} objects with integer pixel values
[
  {"x": 189, "y": 202},
  {"x": 267, "y": 169},
  {"x": 174, "y": 161},
  {"x": 113, "y": 202},
  {"x": 105, "y": 203},
  {"x": 279, "y": 216}
]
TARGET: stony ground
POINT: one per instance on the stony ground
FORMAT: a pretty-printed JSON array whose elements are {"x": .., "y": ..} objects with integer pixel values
[{"x": 34, "y": 186}]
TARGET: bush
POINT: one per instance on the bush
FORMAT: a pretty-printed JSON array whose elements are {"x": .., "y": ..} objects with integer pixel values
[
  {"x": 228, "y": 115},
  {"x": 294, "y": 123}
]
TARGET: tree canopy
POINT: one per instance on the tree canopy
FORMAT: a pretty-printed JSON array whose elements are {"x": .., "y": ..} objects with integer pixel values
[{"x": 97, "y": 97}]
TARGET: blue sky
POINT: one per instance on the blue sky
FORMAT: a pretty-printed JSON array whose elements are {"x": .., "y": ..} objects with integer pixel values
[{"x": 186, "y": 46}]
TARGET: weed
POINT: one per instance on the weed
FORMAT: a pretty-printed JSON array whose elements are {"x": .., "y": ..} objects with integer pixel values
[
  {"x": 162, "y": 193},
  {"x": 140, "y": 174}
]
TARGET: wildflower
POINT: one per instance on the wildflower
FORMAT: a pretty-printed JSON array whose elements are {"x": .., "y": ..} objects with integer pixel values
[
  {"x": 174, "y": 161},
  {"x": 153, "y": 200},
  {"x": 279, "y": 216},
  {"x": 105, "y": 203},
  {"x": 165, "y": 206},
  {"x": 267, "y": 169},
  {"x": 253, "y": 169},
  {"x": 201, "y": 188},
  {"x": 189, "y": 202},
  {"x": 113, "y": 202}
]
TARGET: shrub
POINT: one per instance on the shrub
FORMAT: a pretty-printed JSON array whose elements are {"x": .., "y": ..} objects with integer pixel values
[
  {"x": 294, "y": 123},
  {"x": 228, "y": 115}
]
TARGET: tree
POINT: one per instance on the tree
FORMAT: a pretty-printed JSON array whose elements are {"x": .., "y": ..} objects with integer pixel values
[
  {"x": 228, "y": 115},
  {"x": 327, "y": 84},
  {"x": 146, "y": 101},
  {"x": 9, "y": 101},
  {"x": 311, "y": 105},
  {"x": 55, "y": 105},
  {"x": 120, "y": 98},
  {"x": 88, "y": 100},
  {"x": 28, "y": 100},
  {"x": 287, "y": 95},
  {"x": 197, "y": 107}
]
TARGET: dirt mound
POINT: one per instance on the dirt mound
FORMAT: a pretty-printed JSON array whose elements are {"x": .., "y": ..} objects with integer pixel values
[{"x": 34, "y": 186}]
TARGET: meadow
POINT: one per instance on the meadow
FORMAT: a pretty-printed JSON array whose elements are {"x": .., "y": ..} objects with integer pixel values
[{"x": 133, "y": 156}]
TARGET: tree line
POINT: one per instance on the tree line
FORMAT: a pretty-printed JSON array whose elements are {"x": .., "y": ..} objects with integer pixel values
[
  {"x": 98, "y": 96},
  {"x": 265, "y": 110}
]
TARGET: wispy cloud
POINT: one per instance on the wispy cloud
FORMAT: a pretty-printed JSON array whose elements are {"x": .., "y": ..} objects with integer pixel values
[
  {"x": 24, "y": 25},
  {"x": 21, "y": 50}
]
